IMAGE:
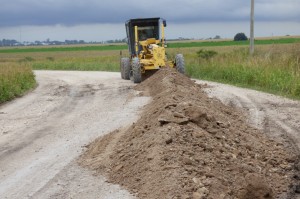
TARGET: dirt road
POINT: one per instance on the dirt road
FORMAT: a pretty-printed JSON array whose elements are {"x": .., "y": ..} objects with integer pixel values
[
  {"x": 42, "y": 133},
  {"x": 277, "y": 116}
]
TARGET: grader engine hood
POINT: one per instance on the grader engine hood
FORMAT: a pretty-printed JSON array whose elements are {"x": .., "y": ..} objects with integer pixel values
[
  {"x": 158, "y": 55},
  {"x": 152, "y": 55}
]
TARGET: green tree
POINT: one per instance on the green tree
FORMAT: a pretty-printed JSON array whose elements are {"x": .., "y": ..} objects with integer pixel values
[{"x": 240, "y": 37}]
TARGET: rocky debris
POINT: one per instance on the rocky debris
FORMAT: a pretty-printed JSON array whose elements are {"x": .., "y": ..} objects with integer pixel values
[{"x": 186, "y": 145}]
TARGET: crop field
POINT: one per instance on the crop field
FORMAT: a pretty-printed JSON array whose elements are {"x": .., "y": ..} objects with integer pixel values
[{"x": 274, "y": 68}]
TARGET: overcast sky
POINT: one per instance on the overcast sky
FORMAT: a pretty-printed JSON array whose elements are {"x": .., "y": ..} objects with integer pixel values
[{"x": 97, "y": 20}]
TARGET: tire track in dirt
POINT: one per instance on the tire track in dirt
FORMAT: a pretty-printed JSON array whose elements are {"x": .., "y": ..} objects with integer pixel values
[{"x": 43, "y": 132}]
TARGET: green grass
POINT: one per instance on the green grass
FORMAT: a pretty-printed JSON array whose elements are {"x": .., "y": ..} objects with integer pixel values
[
  {"x": 63, "y": 49},
  {"x": 105, "y": 64},
  {"x": 15, "y": 80},
  {"x": 170, "y": 45},
  {"x": 98, "y": 62},
  {"x": 78, "y": 60},
  {"x": 232, "y": 43},
  {"x": 275, "y": 71}
]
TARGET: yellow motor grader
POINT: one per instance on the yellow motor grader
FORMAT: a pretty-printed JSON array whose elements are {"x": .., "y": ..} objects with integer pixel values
[{"x": 146, "y": 45}]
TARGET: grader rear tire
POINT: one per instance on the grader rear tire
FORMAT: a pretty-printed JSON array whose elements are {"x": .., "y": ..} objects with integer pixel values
[
  {"x": 179, "y": 61},
  {"x": 126, "y": 68},
  {"x": 122, "y": 68},
  {"x": 136, "y": 71}
]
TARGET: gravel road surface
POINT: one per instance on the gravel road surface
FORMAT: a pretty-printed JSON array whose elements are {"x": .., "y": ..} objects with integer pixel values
[{"x": 42, "y": 133}]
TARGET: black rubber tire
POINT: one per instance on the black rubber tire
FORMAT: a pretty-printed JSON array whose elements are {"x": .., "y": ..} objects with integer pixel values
[
  {"x": 136, "y": 70},
  {"x": 126, "y": 68},
  {"x": 122, "y": 68},
  {"x": 179, "y": 62}
]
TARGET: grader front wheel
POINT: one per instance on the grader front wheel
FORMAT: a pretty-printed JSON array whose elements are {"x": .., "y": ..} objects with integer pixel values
[{"x": 136, "y": 70}]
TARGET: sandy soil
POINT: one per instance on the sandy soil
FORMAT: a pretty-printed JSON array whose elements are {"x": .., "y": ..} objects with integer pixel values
[
  {"x": 187, "y": 145},
  {"x": 43, "y": 132},
  {"x": 279, "y": 117}
]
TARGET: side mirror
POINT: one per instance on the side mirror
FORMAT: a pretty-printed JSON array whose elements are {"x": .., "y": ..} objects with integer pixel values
[{"x": 165, "y": 23}]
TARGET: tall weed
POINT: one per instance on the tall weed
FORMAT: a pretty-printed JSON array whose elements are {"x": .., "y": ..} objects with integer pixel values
[
  {"x": 15, "y": 80},
  {"x": 276, "y": 70}
]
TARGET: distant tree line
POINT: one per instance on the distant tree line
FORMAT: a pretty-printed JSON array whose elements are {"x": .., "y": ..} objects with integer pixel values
[
  {"x": 8, "y": 42},
  {"x": 117, "y": 41},
  {"x": 13, "y": 42}
]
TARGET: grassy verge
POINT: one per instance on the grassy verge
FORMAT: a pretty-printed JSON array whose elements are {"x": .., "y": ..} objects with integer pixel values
[
  {"x": 276, "y": 70},
  {"x": 15, "y": 80}
]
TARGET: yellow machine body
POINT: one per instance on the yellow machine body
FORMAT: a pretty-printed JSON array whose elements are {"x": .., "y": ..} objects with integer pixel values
[
  {"x": 146, "y": 45},
  {"x": 152, "y": 56}
]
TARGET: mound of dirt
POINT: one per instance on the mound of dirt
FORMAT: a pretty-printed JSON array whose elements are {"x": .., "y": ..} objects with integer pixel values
[{"x": 187, "y": 145}]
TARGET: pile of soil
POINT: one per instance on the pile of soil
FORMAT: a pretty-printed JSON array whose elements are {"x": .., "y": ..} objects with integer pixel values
[{"x": 187, "y": 145}]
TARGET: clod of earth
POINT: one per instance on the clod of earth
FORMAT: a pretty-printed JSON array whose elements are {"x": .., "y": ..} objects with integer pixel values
[{"x": 187, "y": 145}]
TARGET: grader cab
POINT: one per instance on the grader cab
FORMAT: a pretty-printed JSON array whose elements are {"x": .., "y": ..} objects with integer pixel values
[{"x": 146, "y": 45}]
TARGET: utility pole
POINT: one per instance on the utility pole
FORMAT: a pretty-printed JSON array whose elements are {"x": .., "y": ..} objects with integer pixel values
[
  {"x": 20, "y": 35},
  {"x": 252, "y": 28}
]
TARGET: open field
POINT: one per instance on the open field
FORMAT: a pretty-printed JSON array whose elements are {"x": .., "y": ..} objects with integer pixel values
[
  {"x": 15, "y": 79},
  {"x": 71, "y": 60},
  {"x": 175, "y": 44},
  {"x": 62, "y": 48},
  {"x": 232, "y": 43},
  {"x": 274, "y": 67}
]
